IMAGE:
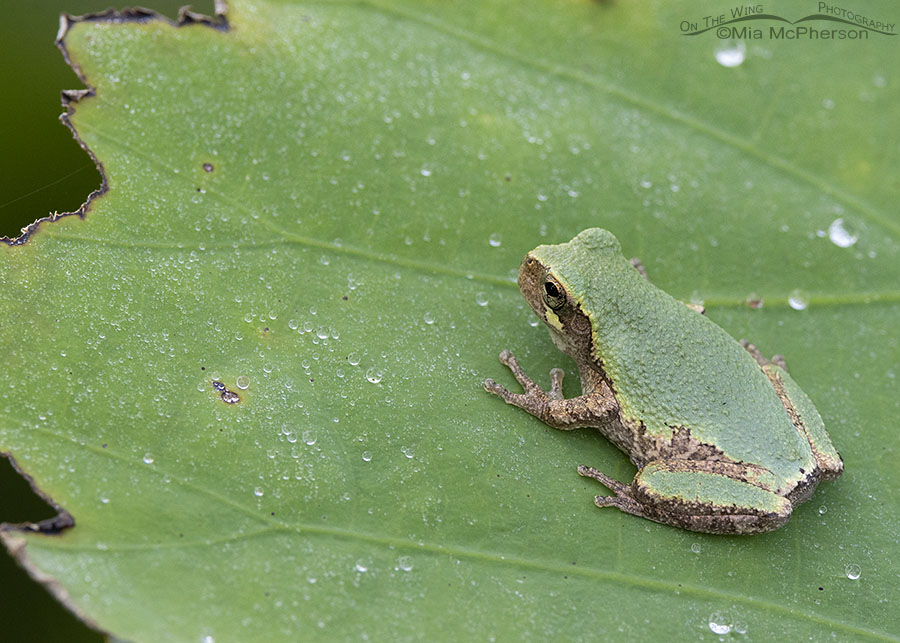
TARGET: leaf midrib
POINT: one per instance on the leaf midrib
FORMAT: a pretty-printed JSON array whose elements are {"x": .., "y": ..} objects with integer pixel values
[
  {"x": 734, "y": 301},
  {"x": 855, "y": 298}
]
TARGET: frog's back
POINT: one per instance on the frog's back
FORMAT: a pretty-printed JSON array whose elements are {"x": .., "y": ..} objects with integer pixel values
[{"x": 672, "y": 367}]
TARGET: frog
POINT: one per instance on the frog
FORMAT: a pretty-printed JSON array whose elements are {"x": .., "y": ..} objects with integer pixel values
[{"x": 724, "y": 440}]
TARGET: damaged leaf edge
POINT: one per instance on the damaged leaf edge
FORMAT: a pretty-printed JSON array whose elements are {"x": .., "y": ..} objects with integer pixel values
[
  {"x": 69, "y": 97},
  {"x": 13, "y": 535}
]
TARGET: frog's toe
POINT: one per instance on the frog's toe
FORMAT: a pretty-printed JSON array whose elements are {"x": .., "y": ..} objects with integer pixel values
[
  {"x": 510, "y": 361},
  {"x": 639, "y": 266},
  {"x": 622, "y": 503},
  {"x": 778, "y": 360},
  {"x": 492, "y": 387},
  {"x": 610, "y": 483},
  {"x": 754, "y": 352}
]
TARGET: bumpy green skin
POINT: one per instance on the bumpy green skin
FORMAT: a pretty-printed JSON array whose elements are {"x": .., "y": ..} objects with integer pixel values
[
  {"x": 727, "y": 442},
  {"x": 672, "y": 367}
]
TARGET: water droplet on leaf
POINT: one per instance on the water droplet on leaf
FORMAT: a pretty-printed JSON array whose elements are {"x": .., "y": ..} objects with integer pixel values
[
  {"x": 798, "y": 300},
  {"x": 840, "y": 235},
  {"x": 731, "y": 53},
  {"x": 720, "y": 623}
]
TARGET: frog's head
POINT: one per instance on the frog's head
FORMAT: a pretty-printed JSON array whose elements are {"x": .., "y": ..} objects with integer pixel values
[{"x": 554, "y": 279}]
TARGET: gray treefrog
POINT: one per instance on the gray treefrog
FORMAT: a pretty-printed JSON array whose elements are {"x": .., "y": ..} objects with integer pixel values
[{"x": 724, "y": 440}]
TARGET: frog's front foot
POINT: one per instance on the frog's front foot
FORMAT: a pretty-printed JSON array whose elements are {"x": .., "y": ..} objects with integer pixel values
[
  {"x": 535, "y": 400},
  {"x": 591, "y": 409}
]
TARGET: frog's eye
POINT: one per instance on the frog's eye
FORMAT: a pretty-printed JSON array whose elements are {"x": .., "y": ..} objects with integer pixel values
[{"x": 554, "y": 295}]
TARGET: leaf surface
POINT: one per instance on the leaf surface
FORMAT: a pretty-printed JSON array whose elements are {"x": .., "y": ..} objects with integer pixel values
[{"x": 323, "y": 207}]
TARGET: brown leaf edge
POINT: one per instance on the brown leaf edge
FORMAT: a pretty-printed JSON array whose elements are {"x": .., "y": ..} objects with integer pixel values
[
  {"x": 13, "y": 535},
  {"x": 186, "y": 17}
]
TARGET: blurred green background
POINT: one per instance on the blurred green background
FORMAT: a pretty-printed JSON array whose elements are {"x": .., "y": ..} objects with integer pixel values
[{"x": 42, "y": 170}]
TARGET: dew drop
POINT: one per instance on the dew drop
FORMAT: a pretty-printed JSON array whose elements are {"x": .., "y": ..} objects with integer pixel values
[
  {"x": 853, "y": 571},
  {"x": 720, "y": 623},
  {"x": 731, "y": 53},
  {"x": 481, "y": 299},
  {"x": 823, "y": 510},
  {"x": 148, "y": 458},
  {"x": 405, "y": 563},
  {"x": 798, "y": 300},
  {"x": 495, "y": 240},
  {"x": 353, "y": 359},
  {"x": 409, "y": 452},
  {"x": 425, "y": 172},
  {"x": 361, "y": 567},
  {"x": 309, "y": 437},
  {"x": 367, "y": 456},
  {"x": 695, "y": 548},
  {"x": 258, "y": 492},
  {"x": 374, "y": 375},
  {"x": 429, "y": 318},
  {"x": 840, "y": 235},
  {"x": 242, "y": 382}
]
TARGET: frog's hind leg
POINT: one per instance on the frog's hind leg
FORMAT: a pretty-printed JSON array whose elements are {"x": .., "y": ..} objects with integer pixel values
[
  {"x": 698, "y": 495},
  {"x": 808, "y": 422}
]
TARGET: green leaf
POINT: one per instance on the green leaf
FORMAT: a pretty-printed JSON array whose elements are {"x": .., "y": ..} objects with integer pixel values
[{"x": 327, "y": 203}]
